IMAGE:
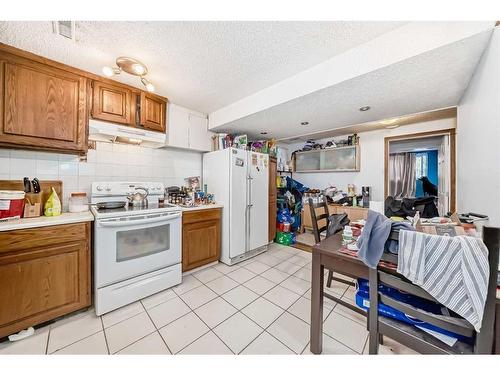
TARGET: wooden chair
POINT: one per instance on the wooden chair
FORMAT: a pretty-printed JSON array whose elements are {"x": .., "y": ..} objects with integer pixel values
[
  {"x": 317, "y": 230},
  {"x": 422, "y": 342}
]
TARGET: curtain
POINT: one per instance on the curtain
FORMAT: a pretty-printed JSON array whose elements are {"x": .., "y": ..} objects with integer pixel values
[{"x": 402, "y": 180}]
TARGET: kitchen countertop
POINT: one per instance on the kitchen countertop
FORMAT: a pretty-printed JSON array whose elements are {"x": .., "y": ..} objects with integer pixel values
[
  {"x": 202, "y": 207},
  {"x": 45, "y": 221}
]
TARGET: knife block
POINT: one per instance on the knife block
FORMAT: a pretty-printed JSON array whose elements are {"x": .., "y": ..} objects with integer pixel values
[{"x": 33, "y": 205}]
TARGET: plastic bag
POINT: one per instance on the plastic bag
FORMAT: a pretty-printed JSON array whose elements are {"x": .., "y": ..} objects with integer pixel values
[{"x": 52, "y": 205}]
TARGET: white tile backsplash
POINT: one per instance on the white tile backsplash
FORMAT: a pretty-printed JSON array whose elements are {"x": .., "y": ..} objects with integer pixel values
[{"x": 110, "y": 162}]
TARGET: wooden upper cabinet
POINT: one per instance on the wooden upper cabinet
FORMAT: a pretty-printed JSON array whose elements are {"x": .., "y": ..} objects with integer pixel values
[
  {"x": 114, "y": 103},
  {"x": 153, "y": 112},
  {"x": 41, "y": 106}
]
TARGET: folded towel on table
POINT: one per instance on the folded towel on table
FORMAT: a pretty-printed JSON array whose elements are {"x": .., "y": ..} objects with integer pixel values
[{"x": 454, "y": 270}]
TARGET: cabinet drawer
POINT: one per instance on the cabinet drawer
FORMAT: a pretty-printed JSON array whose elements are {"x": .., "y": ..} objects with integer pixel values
[
  {"x": 201, "y": 215},
  {"x": 25, "y": 239}
]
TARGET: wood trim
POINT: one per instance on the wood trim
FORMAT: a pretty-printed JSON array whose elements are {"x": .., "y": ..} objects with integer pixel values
[
  {"x": 5, "y": 48},
  {"x": 453, "y": 162}
]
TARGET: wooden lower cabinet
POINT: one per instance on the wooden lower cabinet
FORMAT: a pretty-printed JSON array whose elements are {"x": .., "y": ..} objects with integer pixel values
[
  {"x": 201, "y": 237},
  {"x": 44, "y": 274}
]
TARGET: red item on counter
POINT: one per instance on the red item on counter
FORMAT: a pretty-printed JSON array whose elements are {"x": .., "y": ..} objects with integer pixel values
[{"x": 11, "y": 204}]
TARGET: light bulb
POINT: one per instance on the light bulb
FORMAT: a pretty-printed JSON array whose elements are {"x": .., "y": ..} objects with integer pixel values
[
  {"x": 108, "y": 72},
  {"x": 150, "y": 87},
  {"x": 138, "y": 69}
]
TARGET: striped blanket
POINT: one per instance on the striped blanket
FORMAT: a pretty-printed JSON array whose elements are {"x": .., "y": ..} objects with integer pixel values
[{"x": 454, "y": 270}]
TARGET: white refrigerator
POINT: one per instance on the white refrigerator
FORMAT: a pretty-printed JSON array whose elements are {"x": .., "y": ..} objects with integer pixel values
[{"x": 239, "y": 180}]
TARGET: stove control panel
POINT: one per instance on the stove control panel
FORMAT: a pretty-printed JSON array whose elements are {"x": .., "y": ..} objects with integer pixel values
[{"x": 125, "y": 188}]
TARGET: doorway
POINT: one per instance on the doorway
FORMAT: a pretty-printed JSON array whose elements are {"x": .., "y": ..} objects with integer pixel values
[{"x": 422, "y": 165}]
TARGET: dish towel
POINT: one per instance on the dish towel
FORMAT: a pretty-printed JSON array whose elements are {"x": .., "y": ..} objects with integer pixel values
[
  {"x": 454, "y": 270},
  {"x": 374, "y": 238}
]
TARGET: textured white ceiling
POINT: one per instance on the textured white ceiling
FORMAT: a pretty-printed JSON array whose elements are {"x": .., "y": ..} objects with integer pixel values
[
  {"x": 200, "y": 65},
  {"x": 436, "y": 79}
]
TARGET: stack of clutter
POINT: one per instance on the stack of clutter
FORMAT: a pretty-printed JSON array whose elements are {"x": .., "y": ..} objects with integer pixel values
[
  {"x": 284, "y": 235},
  {"x": 290, "y": 193}
]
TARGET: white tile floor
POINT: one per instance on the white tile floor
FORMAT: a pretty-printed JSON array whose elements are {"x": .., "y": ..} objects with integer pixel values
[{"x": 261, "y": 306}]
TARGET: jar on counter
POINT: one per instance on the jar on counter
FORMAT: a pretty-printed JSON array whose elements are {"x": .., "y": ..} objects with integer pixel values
[{"x": 78, "y": 202}]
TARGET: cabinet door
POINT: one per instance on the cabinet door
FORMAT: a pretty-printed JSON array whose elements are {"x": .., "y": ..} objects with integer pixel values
[
  {"x": 113, "y": 103},
  {"x": 342, "y": 158},
  {"x": 178, "y": 126},
  {"x": 307, "y": 161},
  {"x": 43, "y": 283},
  {"x": 200, "y": 243},
  {"x": 43, "y": 106},
  {"x": 200, "y": 138},
  {"x": 153, "y": 111}
]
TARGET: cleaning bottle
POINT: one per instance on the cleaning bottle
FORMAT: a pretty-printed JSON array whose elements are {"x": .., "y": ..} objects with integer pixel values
[{"x": 52, "y": 205}]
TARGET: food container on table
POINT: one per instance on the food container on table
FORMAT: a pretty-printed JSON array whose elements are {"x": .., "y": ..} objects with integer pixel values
[
  {"x": 78, "y": 202},
  {"x": 11, "y": 204}
]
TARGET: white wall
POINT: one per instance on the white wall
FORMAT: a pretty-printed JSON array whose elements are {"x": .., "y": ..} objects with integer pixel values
[
  {"x": 372, "y": 159},
  {"x": 478, "y": 138},
  {"x": 108, "y": 163}
]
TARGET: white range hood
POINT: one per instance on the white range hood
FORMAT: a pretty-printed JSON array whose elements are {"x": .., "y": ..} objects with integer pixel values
[{"x": 101, "y": 131}]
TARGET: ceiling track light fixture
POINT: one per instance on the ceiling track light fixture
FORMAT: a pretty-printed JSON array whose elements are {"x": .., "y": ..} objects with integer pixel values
[
  {"x": 304, "y": 123},
  {"x": 131, "y": 66},
  {"x": 365, "y": 108}
]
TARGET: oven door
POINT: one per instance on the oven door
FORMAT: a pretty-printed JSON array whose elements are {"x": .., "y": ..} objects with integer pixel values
[{"x": 129, "y": 246}]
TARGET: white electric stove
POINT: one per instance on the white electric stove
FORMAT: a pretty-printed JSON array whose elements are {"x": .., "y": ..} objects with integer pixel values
[{"x": 137, "y": 250}]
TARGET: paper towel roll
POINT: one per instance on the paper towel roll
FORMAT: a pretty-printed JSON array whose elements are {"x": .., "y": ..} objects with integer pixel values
[{"x": 377, "y": 206}]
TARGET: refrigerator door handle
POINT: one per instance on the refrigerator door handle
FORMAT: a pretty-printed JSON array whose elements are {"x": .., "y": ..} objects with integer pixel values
[
  {"x": 249, "y": 206},
  {"x": 250, "y": 183}
]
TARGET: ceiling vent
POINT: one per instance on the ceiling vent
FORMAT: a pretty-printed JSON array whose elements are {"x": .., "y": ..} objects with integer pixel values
[{"x": 64, "y": 28}]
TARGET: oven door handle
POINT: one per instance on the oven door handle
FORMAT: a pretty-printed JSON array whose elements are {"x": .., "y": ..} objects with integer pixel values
[{"x": 128, "y": 223}]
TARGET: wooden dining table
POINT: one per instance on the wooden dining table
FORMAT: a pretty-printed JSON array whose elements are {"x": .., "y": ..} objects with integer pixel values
[{"x": 326, "y": 254}]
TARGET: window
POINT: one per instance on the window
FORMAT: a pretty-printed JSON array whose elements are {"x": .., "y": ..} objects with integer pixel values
[{"x": 421, "y": 167}]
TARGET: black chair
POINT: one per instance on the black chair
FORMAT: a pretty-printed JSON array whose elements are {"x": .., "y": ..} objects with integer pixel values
[
  {"x": 317, "y": 230},
  {"x": 422, "y": 342}
]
